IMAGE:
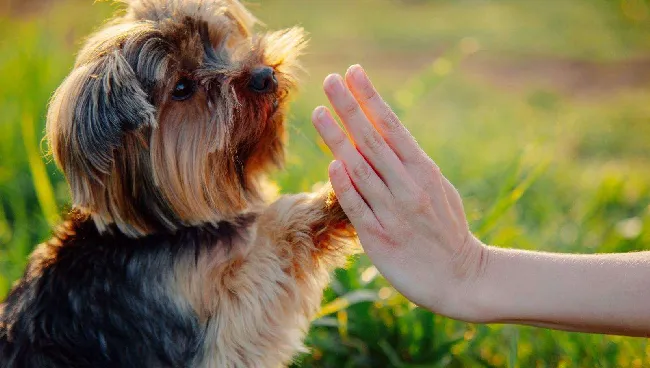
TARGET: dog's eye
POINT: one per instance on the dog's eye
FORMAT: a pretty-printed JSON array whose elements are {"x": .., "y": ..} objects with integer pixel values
[{"x": 183, "y": 90}]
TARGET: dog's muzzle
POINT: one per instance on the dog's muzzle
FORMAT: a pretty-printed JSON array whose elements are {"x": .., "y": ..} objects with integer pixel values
[{"x": 263, "y": 80}]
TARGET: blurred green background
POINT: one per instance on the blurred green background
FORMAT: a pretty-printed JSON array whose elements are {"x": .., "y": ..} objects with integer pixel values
[{"x": 539, "y": 111}]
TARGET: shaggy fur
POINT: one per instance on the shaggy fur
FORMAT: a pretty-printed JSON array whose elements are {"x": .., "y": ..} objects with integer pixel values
[{"x": 172, "y": 256}]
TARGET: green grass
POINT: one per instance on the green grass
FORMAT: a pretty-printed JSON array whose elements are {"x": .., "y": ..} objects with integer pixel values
[{"x": 538, "y": 168}]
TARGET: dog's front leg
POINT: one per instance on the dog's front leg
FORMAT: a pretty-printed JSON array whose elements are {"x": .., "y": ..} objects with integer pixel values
[
  {"x": 258, "y": 301},
  {"x": 310, "y": 231}
]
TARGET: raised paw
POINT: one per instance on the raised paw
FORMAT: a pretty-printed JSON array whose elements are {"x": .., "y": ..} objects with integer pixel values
[{"x": 333, "y": 225}]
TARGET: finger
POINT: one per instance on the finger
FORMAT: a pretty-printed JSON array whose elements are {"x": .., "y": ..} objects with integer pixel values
[
  {"x": 364, "y": 135},
  {"x": 455, "y": 201},
  {"x": 440, "y": 200},
  {"x": 381, "y": 115},
  {"x": 421, "y": 168},
  {"x": 431, "y": 177},
  {"x": 418, "y": 164},
  {"x": 369, "y": 185},
  {"x": 360, "y": 215}
]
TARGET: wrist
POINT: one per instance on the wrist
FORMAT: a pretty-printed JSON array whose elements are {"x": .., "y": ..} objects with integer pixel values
[
  {"x": 518, "y": 286},
  {"x": 465, "y": 300},
  {"x": 480, "y": 297}
]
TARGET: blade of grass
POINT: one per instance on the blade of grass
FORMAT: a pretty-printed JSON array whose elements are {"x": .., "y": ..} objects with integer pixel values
[
  {"x": 342, "y": 302},
  {"x": 5, "y": 229},
  {"x": 514, "y": 347},
  {"x": 42, "y": 184},
  {"x": 391, "y": 354},
  {"x": 508, "y": 198}
]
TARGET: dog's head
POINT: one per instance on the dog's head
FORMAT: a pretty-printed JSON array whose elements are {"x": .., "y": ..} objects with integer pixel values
[{"x": 172, "y": 114}]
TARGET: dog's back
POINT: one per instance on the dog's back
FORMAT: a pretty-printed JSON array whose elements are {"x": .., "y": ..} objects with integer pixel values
[
  {"x": 98, "y": 301},
  {"x": 15, "y": 349}
]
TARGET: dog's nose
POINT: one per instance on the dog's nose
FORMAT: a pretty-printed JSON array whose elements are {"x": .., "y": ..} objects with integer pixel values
[{"x": 263, "y": 80}]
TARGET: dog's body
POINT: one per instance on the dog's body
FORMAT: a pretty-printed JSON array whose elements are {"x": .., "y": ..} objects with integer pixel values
[{"x": 172, "y": 256}]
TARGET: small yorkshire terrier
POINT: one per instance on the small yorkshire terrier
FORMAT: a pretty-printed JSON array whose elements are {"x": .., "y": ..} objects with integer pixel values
[{"x": 172, "y": 254}]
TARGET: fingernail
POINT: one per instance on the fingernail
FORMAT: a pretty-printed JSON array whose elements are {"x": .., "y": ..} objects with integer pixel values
[
  {"x": 320, "y": 116},
  {"x": 335, "y": 166},
  {"x": 357, "y": 72},
  {"x": 334, "y": 83}
]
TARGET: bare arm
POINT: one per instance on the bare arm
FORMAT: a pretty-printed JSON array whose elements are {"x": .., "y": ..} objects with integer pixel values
[
  {"x": 411, "y": 223},
  {"x": 603, "y": 293}
]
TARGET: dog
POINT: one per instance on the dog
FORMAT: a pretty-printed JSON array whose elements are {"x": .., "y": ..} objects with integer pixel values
[{"x": 173, "y": 254}]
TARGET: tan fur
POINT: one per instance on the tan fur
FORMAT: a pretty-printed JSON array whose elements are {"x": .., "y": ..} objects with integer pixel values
[
  {"x": 265, "y": 293},
  {"x": 142, "y": 163},
  {"x": 191, "y": 147}
]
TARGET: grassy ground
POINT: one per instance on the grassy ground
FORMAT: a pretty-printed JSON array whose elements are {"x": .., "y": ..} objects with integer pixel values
[{"x": 536, "y": 110}]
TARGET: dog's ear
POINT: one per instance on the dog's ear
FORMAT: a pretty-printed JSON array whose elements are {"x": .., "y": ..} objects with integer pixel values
[{"x": 99, "y": 102}]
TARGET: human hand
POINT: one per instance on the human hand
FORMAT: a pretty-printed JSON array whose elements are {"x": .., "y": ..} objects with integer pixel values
[{"x": 409, "y": 217}]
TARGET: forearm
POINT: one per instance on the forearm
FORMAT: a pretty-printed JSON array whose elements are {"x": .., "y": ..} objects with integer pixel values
[{"x": 604, "y": 293}]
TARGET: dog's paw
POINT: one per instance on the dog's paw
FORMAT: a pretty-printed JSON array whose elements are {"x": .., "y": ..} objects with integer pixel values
[
  {"x": 333, "y": 208},
  {"x": 334, "y": 227}
]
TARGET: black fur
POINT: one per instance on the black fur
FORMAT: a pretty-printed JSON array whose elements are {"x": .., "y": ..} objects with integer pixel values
[{"x": 96, "y": 300}]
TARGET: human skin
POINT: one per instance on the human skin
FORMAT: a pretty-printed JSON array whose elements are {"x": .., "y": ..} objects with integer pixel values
[{"x": 412, "y": 225}]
